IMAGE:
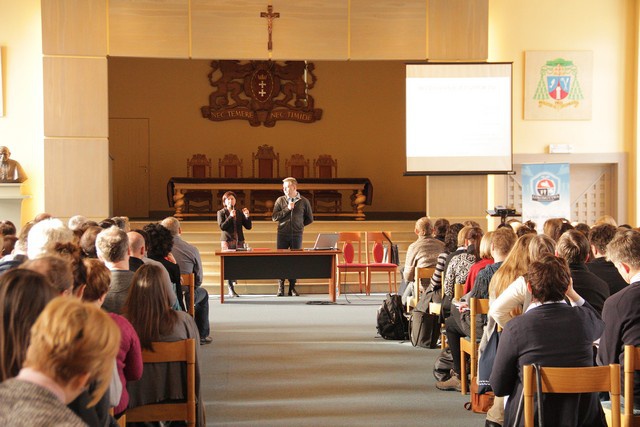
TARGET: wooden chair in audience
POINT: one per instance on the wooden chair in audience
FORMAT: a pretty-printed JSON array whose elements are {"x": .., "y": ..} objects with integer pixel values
[
  {"x": 326, "y": 167},
  {"x": 298, "y": 167},
  {"x": 230, "y": 166},
  {"x": 376, "y": 262},
  {"x": 265, "y": 163},
  {"x": 199, "y": 166},
  {"x": 590, "y": 379},
  {"x": 177, "y": 351},
  {"x": 631, "y": 366},
  {"x": 352, "y": 258},
  {"x": 469, "y": 345},
  {"x": 420, "y": 273},
  {"x": 436, "y": 308},
  {"x": 189, "y": 280}
]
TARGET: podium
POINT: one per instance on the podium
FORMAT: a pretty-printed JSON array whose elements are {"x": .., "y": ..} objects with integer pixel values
[{"x": 11, "y": 203}]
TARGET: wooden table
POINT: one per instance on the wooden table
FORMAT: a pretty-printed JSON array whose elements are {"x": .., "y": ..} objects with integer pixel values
[
  {"x": 277, "y": 264},
  {"x": 361, "y": 188}
]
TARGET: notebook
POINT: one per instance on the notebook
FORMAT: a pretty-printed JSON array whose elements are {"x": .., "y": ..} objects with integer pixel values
[{"x": 325, "y": 242}]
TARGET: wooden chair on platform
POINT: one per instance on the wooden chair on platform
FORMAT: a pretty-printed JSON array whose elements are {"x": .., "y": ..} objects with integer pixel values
[
  {"x": 469, "y": 345},
  {"x": 420, "y": 273},
  {"x": 376, "y": 260},
  {"x": 265, "y": 163},
  {"x": 230, "y": 166},
  {"x": 631, "y": 366},
  {"x": 199, "y": 166},
  {"x": 352, "y": 258},
  {"x": 326, "y": 167},
  {"x": 298, "y": 167},
  {"x": 189, "y": 280},
  {"x": 178, "y": 351},
  {"x": 590, "y": 379}
]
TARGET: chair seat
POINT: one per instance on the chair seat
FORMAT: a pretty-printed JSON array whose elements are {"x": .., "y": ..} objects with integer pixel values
[
  {"x": 382, "y": 265},
  {"x": 352, "y": 265}
]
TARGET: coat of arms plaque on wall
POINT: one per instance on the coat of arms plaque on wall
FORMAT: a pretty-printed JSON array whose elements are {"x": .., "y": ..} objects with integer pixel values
[{"x": 262, "y": 92}]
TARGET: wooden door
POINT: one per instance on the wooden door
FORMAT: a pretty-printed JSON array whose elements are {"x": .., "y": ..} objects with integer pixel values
[{"x": 129, "y": 152}]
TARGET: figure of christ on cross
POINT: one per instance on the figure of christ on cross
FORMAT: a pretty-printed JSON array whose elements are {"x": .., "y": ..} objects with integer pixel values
[{"x": 270, "y": 17}]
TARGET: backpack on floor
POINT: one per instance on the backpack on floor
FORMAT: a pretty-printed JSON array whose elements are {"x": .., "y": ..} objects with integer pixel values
[
  {"x": 424, "y": 328},
  {"x": 392, "y": 323}
]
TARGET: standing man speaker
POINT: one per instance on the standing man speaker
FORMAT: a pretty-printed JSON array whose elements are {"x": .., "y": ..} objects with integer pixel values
[{"x": 293, "y": 213}]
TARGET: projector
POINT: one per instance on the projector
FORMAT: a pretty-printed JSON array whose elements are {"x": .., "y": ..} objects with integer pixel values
[{"x": 502, "y": 211}]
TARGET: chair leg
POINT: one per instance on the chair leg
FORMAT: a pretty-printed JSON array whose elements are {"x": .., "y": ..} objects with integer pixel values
[{"x": 463, "y": 373}]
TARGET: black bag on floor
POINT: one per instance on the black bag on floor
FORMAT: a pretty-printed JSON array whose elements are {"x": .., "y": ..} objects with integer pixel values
[
  {"x": 443, "y": 365},
  {"x": 424, "y": 328},
  {"x": 392, "y": 323}
]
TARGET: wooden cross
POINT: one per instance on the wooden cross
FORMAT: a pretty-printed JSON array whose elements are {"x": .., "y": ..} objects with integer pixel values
[{"x": 270, "y": 17}]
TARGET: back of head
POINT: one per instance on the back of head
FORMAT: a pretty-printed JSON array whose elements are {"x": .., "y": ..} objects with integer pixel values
[
  {"x": 625, "y": 247},
  {"x": 8, "y": 243},
  {"x": 98, "y": 280},
  {"x": 23, "y": 237},
  {"x": 541, "y": 245},
  {"x": 555, "y": 227},
  {"x": 76, "y": 222},
  {"x": 7, "y": 228},
  {"x": 122, "y": 222},
  {"x": 56, "y": 269},
  {"x": 136, "y": 243},
  {"x": 71, "y": 338},
  {"x": 485, "y": 245},
  {"x": 503, "y": 240},
  {"x": 600, "y": 236},
  {"x": 462, "y": 235},
  {"x": 441, "y": 226},
  {"x": 606, "y": 219},
  {"x": 44, "y": 235},
  {"x": 112, "y": 244},
  {"x": 88, "y": 241},
  {"x": 171, "y": 224},
  {"x": 424, "y": 227},
  {"x": 473, "y": 236},
  {"x": 160, "y": 241},
  {"x": 147, "y": 306},
  {"x": 574, "y": 247},
  {"x": 583, "y": 228},
  {"x": 451, "y": 239},
  {"x": 549, "y": 278},
  {"x": 514, "y": 265},
  {"x": 23, "y": 295}
]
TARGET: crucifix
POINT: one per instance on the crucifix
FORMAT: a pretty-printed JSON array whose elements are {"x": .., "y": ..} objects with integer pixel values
[{"x": 270, "y": 17}]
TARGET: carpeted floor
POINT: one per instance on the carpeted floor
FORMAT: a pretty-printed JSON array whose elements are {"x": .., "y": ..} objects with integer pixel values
[{"x": 301, "y": 362}]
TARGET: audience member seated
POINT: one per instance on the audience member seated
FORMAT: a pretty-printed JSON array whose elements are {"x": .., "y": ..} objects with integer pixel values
[
  {"x": 552, "y": 334},
  {"x": 7, "y": 228},
  {"x": 23, "y": 295},
  {"x": 45, "y": 235},
  {"x": 458, "y": 325},
  {"x": 485, "y": 259},
  {"x": 129, "y": 359},
  {"x": 440, "y": 228},
  {"x": 77, "y": 225},
  {"x": 450, "y": 246},
  {"x": 555, "y": 227},
  {"x": 421, "y": 253},
  {"x": 72, "y": 344},
  {"x": 606, "y": 219},
  {"x": 122, "y": 222},
  {"x": 19, "y": 253},
  {"x": 621, "y": 312},
  {"x": 188, "y": 258},
  {"x": 112, "y": 246},
  {"x": 599, "y": 265},
  {"x": 573, "y": 246},
  {"x": 154, "y": 320},
  {"x": 88, "y": 241},
  {"x": 159, "y": 249},
  {"x": 56, "y": 269},
  {"x": 138, "y": 257},
  {"x": 459, "y": 264}
]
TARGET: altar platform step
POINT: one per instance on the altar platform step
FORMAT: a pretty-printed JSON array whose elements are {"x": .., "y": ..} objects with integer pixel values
[{"x": 205, "y": 235}]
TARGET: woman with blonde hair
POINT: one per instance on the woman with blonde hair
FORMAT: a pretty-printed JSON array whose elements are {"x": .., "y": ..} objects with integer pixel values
[
  {"x": 485, "y": 259},
  {"x": 147, "y": 308},
  {"x": 72, "y": 345}
]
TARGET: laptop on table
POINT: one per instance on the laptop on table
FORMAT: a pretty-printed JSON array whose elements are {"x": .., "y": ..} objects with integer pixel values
[{"x": 325, "y": 242}]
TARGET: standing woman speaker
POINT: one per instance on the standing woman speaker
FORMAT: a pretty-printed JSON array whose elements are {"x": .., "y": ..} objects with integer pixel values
[{"x": 231, "y": 223}]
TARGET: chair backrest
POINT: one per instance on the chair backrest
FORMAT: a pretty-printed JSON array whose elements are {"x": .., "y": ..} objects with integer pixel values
[
  {"x": 177, "y": 351},
  {"x": 199, "y": 166},
  {"x": 374, "y": 241},
  {"x": 268, "y": 162},
  {"x": 458, "y": 290},
  {"x": 297, "y": 166},
  {"x": 230, "y": 166},
  {"x": 325, "y": 166},
  {"x": 188, "y": 279},
  {"x": 477, "y": 306},
  {"x": 423, "y": 273},
  {"x": 631, "y": 365},
  {"x": 572, "y": 380},
  {"x": 350, "y": 252}
]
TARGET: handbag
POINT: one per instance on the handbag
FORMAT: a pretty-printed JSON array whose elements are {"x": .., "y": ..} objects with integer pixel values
[
  {"x": 480, "y": 403},
  {"x": 395, "y": 253},
  {"x": 485, "y": 364}
]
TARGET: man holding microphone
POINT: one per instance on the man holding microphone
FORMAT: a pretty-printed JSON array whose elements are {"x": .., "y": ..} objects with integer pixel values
[{"x": 293, "y": 213}]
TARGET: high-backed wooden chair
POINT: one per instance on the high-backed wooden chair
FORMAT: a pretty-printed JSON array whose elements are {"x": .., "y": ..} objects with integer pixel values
[
  {"x": 590, "y": 379},
  {"x": 326, "y": 167},
  {"x": 199, "y": 166},
  {"x": 420, "y": 273},
  {"x": 351, "y": 258},
  {"x": 189, "y": 280},
  {"x": 376, "y": 261},
  {"x": 298, "y": 167},
  {"x": 469, "y": 345},
  {"x": 631, "y": 366},
  {"x": 265, "y": 163},
  {"x": 230, "y": 166},
  {"x": 178, "y": 351}
]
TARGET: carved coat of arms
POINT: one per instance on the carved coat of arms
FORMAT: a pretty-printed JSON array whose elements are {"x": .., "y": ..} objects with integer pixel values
[{"x": 262, "y": 92}]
